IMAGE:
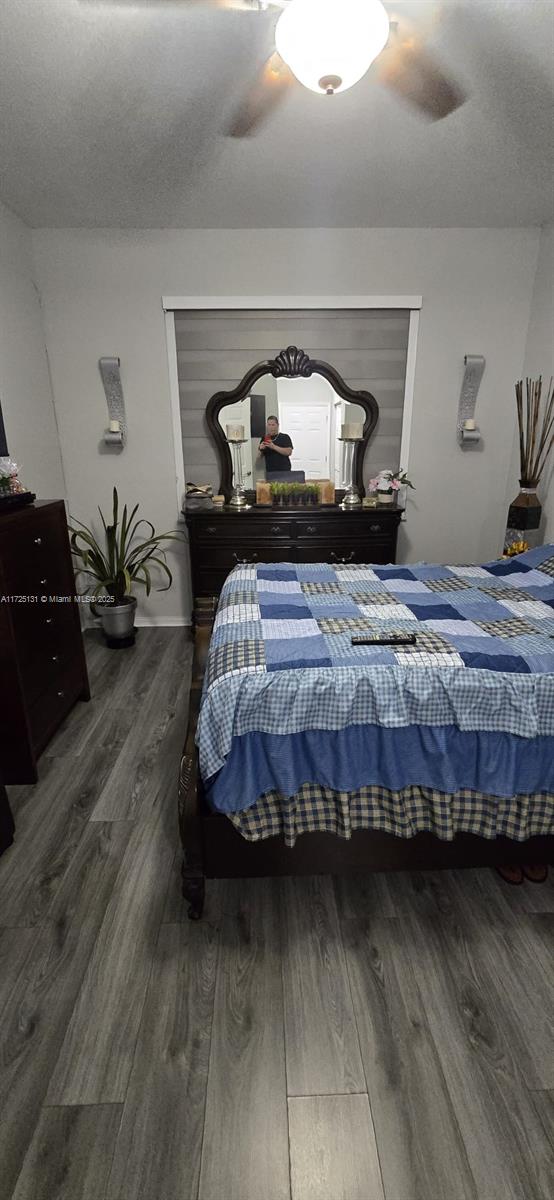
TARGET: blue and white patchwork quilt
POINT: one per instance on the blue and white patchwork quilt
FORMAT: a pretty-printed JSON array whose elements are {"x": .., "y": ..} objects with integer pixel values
[{"x": 288, "y": 700}]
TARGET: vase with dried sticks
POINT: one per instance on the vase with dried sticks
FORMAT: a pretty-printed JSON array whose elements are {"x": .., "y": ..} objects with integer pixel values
[{"x": 535, "y": 418}]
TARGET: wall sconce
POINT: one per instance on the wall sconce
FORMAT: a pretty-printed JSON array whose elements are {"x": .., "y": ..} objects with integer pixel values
[
  {"x": 116, "y": 433},
  {"x": 467, "y": 430}
]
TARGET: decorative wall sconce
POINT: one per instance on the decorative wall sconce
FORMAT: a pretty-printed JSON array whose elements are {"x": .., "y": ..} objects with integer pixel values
[
  {"x": 116, "y": 433},
  {"x": 468, "y": 432}
]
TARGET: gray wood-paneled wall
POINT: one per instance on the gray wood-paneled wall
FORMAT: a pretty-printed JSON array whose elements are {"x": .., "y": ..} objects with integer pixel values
[{"x": 215, "y": 349}]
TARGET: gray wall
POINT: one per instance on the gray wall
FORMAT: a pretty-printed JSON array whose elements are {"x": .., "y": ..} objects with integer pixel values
[
  {"x": 215, "y": 350},
  {"x": 25, "y": 390}
]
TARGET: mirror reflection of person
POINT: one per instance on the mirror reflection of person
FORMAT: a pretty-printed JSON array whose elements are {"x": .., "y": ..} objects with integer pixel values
[{"x": 275, "y": 448}]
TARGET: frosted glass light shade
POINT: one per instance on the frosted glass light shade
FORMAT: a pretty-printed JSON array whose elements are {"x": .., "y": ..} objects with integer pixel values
[{"x": 337, "y": 40}]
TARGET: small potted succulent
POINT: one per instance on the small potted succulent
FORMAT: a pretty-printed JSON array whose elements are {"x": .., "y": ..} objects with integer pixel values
[
  {"x": 387, "y": 484},
  {"x": 112, "y": 568}
]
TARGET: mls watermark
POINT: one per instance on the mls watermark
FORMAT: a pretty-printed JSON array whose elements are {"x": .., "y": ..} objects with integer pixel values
[{"x": 50, "y": 599}]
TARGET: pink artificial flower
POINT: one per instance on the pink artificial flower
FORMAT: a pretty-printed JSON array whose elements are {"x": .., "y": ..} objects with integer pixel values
[{"x": 395, "y": 485}]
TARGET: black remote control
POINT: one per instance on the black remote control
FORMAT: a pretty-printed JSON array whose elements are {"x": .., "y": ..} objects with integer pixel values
[{"x": 383, "y": 639}]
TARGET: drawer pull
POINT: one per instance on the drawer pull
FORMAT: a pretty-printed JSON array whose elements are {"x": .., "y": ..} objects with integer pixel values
[
  {"x": 211, "y": 529},
  {"x": 60, "y": 694},
  {"x": 48, "y": 620},
  {"x": 311, "y": 529},
  {"x": 37, "y": 541},
  {"x": 345, "y": 558},
  {"x": 55, "y": 658},
  {"x": 245, "y": 559},
  {"x": 43, "y": 582},
  {"x": 275, "y": 528},
  {"x": 374, "y": 528}
]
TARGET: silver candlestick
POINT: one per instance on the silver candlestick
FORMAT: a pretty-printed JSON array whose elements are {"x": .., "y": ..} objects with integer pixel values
[
  {"x": 351, "y": 498},
  {"x": 238, "y": 498}
]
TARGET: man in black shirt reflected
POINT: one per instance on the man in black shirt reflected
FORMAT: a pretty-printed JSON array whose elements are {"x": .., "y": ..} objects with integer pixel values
[{"x": 275, "y": 448}]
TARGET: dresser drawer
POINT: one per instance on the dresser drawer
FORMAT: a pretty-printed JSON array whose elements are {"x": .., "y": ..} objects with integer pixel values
[
  {"x": 49, "y": 709},
  {"x": 44, "y": 669},
  {"x": 348, "y": 526},
  {"x": 234, "y": 530},
  {"x": 40, "y": 627},
  {"x": 228, "y": 554},
  {"x": 347, "y": 551},
  {"x": 35, "y": 558}
]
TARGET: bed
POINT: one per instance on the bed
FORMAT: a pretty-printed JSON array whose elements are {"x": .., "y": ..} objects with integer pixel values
[{"x": 308, "y": 753}]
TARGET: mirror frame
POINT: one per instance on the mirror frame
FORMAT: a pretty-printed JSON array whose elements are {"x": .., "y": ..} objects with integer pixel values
[{"x": 291, "y": 363}]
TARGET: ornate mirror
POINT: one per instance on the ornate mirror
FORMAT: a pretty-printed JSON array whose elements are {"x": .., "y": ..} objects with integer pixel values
[{"x": 312, "y": 405}]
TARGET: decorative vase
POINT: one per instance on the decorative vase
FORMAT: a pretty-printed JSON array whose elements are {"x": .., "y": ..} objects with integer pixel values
[
  {"x": 385, "y": 497},
  {"x": 524, "y": 517}
]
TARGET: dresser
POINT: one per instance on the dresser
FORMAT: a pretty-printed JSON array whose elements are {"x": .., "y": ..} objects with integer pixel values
[
  {"x": 221, "y": 538},
  {"x": 42, "y": 661}
]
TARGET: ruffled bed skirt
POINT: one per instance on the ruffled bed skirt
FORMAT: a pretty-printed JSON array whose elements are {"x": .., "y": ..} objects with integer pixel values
[{"x": 403, "y": 813}]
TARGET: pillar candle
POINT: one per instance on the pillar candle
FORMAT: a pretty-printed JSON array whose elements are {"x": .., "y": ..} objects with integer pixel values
[
  {"x": 352, "y": 431},
  {"x": 235, "y": 433}
]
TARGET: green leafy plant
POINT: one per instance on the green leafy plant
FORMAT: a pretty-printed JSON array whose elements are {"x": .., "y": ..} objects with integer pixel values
[
  {"x": 124, "y": 559},
  {"x": 295, "y": 493}
]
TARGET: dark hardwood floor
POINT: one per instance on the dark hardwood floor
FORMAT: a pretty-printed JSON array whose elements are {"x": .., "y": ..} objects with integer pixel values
[{"x": 379, "y": 1038}]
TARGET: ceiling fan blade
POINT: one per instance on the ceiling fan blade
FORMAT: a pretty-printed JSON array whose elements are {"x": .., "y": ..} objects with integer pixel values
[
  {"x": 406, "y": 67},
  {"x": 264, "y": 96}
]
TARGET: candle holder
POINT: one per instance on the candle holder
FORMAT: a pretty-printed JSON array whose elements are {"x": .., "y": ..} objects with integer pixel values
[
  {"x": 238, "y": 498},
  {"x": 351, "y": 498}
]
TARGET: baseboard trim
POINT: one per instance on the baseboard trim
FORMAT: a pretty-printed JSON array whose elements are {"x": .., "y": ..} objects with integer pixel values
[{"x": 159, "y": 622}]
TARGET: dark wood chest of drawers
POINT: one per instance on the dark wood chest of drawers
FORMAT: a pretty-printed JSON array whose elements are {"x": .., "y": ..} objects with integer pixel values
[
  {"x": 221, "y": 538},
  {"x": 42, "y": 661}
]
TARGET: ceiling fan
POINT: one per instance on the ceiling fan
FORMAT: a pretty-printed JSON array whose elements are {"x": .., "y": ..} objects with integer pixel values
[{"x": 328, "y": 45}]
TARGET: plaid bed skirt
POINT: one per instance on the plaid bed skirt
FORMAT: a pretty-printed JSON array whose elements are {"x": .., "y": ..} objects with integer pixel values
[{"x": 404, "y": 813}]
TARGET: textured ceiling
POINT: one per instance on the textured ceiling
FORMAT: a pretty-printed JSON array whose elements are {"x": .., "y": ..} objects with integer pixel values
[{"x": 110, "y": 115}]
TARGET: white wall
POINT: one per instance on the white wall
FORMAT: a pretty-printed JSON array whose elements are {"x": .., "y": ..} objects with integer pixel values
[
  {"x": 25, "y": 391},
  {"x": 539, "y": 352},
  {"x": 102, "y": 295}
]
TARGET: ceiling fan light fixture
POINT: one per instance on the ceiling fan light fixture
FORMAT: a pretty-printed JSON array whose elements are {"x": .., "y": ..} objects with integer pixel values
[{"x": 322, "y": 40}]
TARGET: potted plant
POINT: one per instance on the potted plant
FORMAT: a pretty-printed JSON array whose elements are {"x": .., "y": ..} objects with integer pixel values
[
  {"x": 312, "y": 494},
  {"x": 388, "y": 483},
  {"x": 112, "y": 569}
]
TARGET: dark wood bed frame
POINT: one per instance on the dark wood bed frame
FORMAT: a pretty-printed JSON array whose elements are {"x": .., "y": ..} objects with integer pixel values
[{"x": 213, "y": 848}]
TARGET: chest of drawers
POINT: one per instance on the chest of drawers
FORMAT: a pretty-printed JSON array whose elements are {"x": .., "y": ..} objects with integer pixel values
[
  {"x": 221, "y": 538},
  {"x": 42, "y": 662}
]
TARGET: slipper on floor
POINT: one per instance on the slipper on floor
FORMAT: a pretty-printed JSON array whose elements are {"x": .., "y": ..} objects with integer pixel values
[
  {"x": 535, "y": 873},
  {"x": 513, "y": 875}
]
